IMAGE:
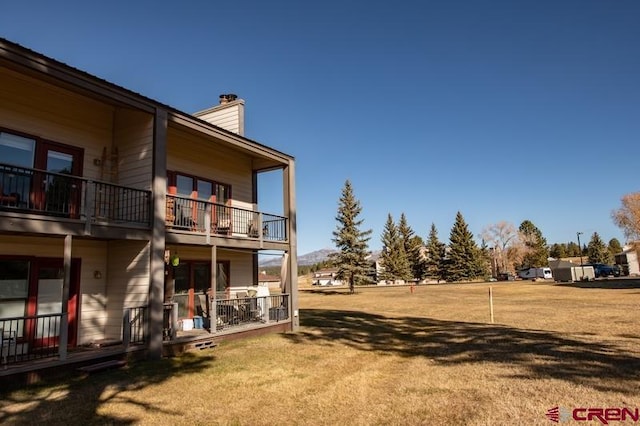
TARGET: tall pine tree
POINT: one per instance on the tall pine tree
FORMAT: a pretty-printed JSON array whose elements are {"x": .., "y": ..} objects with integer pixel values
[
  {"x": 597, "y": 251},
  {"x": 435, "y": 255},
  {"x": 615, "y": 247},
  {"x": 351, "y": 242},
  {"x": 537, "y": 252},
  {"x": 394, "y": 258},
  {"x": 464, "y": 258},
  {"x": 413, "y": 248}
]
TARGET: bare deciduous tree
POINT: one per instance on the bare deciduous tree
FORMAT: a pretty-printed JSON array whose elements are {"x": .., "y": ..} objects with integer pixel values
[
  {"x": 503, "y": 238},
  {"x": 627, "y": 217}
]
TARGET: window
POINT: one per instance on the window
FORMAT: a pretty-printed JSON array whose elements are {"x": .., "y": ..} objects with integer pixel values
[
  {"x": 17, "y": 150},
  {"x": 14, "y": 292},
  {"x": 202, "y": 189},
  {"x": 33, "y": 286},
  {"x": 192, "y": 283},
  {"x": 22, "y": 187}
]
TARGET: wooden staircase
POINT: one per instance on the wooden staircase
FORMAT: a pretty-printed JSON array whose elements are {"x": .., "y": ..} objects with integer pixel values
[{"x": 178, "y": 347}]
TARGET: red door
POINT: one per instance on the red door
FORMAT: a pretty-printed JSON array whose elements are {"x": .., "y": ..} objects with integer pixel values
[
  {"x": 46, "y": 298},
  {"x": 54, "y": 192}
]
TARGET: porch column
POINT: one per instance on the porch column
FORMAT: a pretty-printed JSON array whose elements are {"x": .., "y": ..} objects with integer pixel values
[
  {"x": 292, "y": 273},
  {"x": 213, "y": 312},
  {"x": 157, "y": 265},
  {"x": 66, "y": 283}
]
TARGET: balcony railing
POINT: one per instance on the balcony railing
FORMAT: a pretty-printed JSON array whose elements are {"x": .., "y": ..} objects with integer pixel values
[
  {"x": 28, "y": 338},
  {"x": 33, "y": 337},
  {"x": 249, "y": 310},
  {"x": 233, "y": 314},
  {"x": 36, "y": 191},
  {"x": 135, "y": 325},
  {"x": 188, "y": 214}
]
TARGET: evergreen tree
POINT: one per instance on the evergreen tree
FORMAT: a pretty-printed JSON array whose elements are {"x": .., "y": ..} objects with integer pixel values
[
  {"x": 435, "y": 255},
  {"x": 394, "y": 258},
  {"x": 464, "y": 258},
  {"x": 572, "y": 249},
  {"x": 417, "y": 258},
  {"x": 597, "y": 251},
  {"x": 615, "y": 247},
  {"x": 558, "y": 251},
  {"x": 484, "y": 260},
  {"x": 412, "y": 247},
  {"x": 537, "y": 252},
  {"x": 351, "y": 242}
]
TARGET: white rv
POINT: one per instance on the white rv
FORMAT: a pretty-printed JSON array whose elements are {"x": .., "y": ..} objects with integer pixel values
[{"x": 534, "y": 273}]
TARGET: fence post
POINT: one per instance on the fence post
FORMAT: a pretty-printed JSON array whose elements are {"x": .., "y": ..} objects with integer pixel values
[
  {"x": 207, "y": 222},
  {"x": 491, "y": 303},
  {"x": 174, "y": 321},
  {"x": 89, "y": 205},
  {"x": 126, "y": 328}
]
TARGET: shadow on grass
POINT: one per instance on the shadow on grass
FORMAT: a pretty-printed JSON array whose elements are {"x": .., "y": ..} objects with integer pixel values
[
  {"x": 77, "y": 400},
  {"x": 611, "y": 283},
  {"x": 327, "y": 292},
  {"x": 541, "y": 354}
]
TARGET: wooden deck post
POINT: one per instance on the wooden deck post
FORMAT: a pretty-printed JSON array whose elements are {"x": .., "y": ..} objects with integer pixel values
[
  {"x": 292, "y": 258},
  {"x": 126, "y": 328},
  {"x": 66, "y": 284},
  {"x": 158, "y": 228},
  {"x": 213, "y": 312}
]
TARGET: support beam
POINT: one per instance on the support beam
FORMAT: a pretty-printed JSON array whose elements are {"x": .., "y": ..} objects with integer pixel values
[
  {"x": 290, "y": 212},
  {"x": 66, "y": 285},
  {"x": 157, "y": 265},
  {"x": 213, "y": 312}
]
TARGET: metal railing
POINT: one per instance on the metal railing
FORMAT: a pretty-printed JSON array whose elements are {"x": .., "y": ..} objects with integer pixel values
[
  {"x": 231, "y": 313},
  {"x": 188, "y": 214},
  {"x": 135, "y": 325},
  {"x": 28, "y": 338},
  {"x": 37, "y": 191},
  {"x": 240, "y": 311},
  {"x": 170, "y": 321}
]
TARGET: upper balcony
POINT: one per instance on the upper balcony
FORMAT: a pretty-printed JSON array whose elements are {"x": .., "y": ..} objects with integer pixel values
[
  {"x": 205, "y": 218},
  {"x": 33, "y": 194}
]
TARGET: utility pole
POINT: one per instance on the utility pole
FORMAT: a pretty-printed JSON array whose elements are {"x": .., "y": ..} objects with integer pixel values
[{"x": 580, "y": 248}]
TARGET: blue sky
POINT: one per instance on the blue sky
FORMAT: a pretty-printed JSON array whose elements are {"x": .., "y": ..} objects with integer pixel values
[{"x": 501, "y": 110}]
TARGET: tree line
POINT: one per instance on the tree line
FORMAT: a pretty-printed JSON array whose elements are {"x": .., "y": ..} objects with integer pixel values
[{"x": 503, "y": 248}]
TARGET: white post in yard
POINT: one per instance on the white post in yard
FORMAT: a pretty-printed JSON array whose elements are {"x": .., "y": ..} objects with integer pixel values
[{"x": 491, "y": 303}]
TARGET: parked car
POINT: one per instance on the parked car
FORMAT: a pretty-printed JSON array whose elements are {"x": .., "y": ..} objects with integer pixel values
[
  {"x": 506, "y": 277},
  {"x": 534, "y": 273},
  {"x": 604, "y": 270}
]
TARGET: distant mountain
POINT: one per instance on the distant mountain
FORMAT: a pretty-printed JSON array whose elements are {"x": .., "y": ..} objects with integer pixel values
[
  {"x": 309, "y": 258},
  {"x": 303, "y": 260},
  {"x": 315, "y": 257}
]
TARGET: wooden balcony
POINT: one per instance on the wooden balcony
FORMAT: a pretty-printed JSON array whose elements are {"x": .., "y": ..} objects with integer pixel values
[
  {"x": 207, "y": 218},
  {"x": 27, "y": 191}
]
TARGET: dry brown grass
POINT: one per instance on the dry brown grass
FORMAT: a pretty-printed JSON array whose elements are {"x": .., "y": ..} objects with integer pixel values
[{"x": 382, "y": 356}]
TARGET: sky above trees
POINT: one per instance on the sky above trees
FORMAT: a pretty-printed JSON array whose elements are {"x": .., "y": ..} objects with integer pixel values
[{"x": 501, "y": 110}]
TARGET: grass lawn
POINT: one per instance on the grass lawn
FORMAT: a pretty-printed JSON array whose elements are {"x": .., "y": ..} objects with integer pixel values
[{"x": 382, "y": 356}]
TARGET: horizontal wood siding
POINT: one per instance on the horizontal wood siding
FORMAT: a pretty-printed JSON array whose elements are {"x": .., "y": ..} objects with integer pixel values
[
  {"x": 133, "y": 137},
  {"x": 43, "y": 110},
  {"x": 241, "y": 269},
  {"x": 93, "y": 257},
  {"x": 127, "y": 281},
  {"x": 93, "y": 300},
  {"x": 210, "y": 159},
  {"x": 229, "y": 118}
]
